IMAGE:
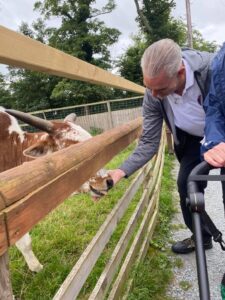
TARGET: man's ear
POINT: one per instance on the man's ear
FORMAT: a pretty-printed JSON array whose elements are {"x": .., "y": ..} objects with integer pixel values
[{"x": 181, "y": 71}]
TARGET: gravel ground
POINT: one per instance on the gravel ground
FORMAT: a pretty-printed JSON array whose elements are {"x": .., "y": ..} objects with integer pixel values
[{"x": 187, "y": 274}]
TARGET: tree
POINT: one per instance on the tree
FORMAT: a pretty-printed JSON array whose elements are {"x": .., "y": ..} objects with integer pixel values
[
  {"x": 155, "y": 22},
  {"x": 80, "y": 34},
  {"x": 5, "y": 96}
]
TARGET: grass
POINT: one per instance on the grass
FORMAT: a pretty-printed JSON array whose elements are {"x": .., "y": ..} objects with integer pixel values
[{"x": 60, "y": 239}]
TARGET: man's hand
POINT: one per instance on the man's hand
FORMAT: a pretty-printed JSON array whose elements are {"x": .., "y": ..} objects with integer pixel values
[
  {"x": 216, "y": 156},
  {"x": 116, "y": 175}
]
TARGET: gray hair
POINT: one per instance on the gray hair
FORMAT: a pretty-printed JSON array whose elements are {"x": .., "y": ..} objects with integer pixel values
[{"x": 164, "y": 55}]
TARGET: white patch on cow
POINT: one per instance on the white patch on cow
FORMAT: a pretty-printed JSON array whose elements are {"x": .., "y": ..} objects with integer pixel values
[
  {"x": 76, "y": 133},
  {"x": 14, "y": 127},
  {"x": 24, "y": 245},
  {"x": 44, "y": 137},
  {"x": 2, "y": 109}
]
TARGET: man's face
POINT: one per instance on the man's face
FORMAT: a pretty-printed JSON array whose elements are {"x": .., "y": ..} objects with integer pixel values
[{"x": 163, "y": 85}]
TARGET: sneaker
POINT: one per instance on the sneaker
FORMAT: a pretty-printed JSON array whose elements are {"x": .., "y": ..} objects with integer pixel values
[{"x": 188, "y": 246}]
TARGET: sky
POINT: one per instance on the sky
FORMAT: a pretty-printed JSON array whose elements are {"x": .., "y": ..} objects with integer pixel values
[{"x": 208, "y": 16}]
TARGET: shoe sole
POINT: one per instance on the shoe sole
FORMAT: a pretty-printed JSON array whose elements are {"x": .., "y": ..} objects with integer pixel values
[{"x": 189, "y": 250}]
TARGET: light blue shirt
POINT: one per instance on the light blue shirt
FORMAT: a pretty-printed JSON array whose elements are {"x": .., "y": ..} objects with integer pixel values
[{"x": 188, "y": 111}]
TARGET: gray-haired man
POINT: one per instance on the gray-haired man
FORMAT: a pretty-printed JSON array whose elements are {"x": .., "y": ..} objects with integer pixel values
[{"x": 177, "y": 82}]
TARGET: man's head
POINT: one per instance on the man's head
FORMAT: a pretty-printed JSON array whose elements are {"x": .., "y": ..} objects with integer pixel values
[{"x": 162, "y": 68}]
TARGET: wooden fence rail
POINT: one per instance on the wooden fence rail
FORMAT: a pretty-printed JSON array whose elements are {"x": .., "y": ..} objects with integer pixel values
[
  {"x": 33, "y": 55},
  {"x": 26, "y": 197}
]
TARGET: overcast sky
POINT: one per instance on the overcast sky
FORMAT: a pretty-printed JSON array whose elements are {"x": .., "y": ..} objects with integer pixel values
[{"x": 208, "y": 16}]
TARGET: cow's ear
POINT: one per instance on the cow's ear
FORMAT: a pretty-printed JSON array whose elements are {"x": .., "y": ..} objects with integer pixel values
[
  {"x": 71, "y": 118},
  {"x": 38, "y": 150}
]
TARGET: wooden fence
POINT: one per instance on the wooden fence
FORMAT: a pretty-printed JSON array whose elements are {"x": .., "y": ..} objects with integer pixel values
[{"x": 30, "y": 191}]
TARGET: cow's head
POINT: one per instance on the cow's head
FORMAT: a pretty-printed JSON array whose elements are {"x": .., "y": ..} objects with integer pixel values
[
  {"x": 58, "y": 134},
  {"x": 100, "y": 184}
]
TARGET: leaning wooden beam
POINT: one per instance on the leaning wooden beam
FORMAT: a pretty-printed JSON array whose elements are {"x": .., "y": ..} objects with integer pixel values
[
  {"x": 33, "y": 189},
  {"x": 21, "y": 51}
]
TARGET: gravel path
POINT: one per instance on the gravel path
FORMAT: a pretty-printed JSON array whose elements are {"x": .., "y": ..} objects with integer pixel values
[{"x": 187, "y": 274}]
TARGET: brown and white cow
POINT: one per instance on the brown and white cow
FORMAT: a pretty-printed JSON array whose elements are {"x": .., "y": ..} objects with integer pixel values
[{"x": 18, "y": 147}]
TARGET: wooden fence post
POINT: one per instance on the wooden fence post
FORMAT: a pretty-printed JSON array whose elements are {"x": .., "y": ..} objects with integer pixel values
[
  {"x": 169, "y": 140},
  {"x": 109, "y": 115},
  {"x": 5, "y": 282}
]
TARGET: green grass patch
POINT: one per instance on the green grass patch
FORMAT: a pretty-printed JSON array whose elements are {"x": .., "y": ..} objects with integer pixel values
[
  {"x": 152, "y": 276},
  {"x": 185, "y": 285}
]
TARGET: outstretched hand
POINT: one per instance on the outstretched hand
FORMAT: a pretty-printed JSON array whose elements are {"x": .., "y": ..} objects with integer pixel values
[
  {"x": 116, "y": 175},
  {"x": 216, "y": 156}
]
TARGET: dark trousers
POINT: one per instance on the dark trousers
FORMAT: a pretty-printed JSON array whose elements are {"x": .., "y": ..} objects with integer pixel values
[{"x": 188, "y": 154}]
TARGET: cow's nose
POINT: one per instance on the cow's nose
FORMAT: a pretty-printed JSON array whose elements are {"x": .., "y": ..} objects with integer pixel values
[{"x": 109, "y": 183}]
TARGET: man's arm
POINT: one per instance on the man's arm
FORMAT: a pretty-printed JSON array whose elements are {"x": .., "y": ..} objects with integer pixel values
[
  {"x": 214, "y": 147},
  {"x": 149, "y": 141}
]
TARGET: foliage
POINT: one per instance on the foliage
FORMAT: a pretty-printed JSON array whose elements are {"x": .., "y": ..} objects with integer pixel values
[
  {"x": 155, "y": 22},
  {"x": 201, "y": 44},
  {"x": 5, "y": 96},
  {"x": 130, "y": 64},
  {"x": 79, "y": 34}
]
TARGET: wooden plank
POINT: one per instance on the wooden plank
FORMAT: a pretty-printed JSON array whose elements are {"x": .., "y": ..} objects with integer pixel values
[
  {"x": 3, "y": 235},
  {"x": 5, "y": 282},
  {"x": 51, "y": 166},
  {"x": 21, "y": 51},
  {"x": 149, "y": 234},
  {"x": 106, "y": 277},
  {"x": 123, "y": 274},
  {"x": 77, "y": 277}
]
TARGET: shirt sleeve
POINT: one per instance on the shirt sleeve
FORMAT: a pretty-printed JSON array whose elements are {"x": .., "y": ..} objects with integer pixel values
[
  {"x": 214, "y": 104},
  {"x": 150, "y": 138}
]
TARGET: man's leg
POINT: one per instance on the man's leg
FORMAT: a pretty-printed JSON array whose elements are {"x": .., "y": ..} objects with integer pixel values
[{"x": 188, "y": 160}]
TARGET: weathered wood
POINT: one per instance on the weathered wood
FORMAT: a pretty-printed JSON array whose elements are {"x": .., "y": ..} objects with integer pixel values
[
  {"x": 106, "y": 277},
  {"x": 123, "y": 274},
  {"x": 3, "y": 235},
  {"x": 33, "y": 55},
  {"x": 51, "y": 166},
  {"x": 149, "y": 234},
  {"x": 169, "y": 140},
  {"x": 77, "y": 277},
  {"x": 5, "y": 283},
  {"x": 117, "y": 289},
  {"x": 24, "y": 214}
]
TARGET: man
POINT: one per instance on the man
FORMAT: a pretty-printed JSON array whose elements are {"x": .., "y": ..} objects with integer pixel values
[{"x": 177, "y": 82}]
